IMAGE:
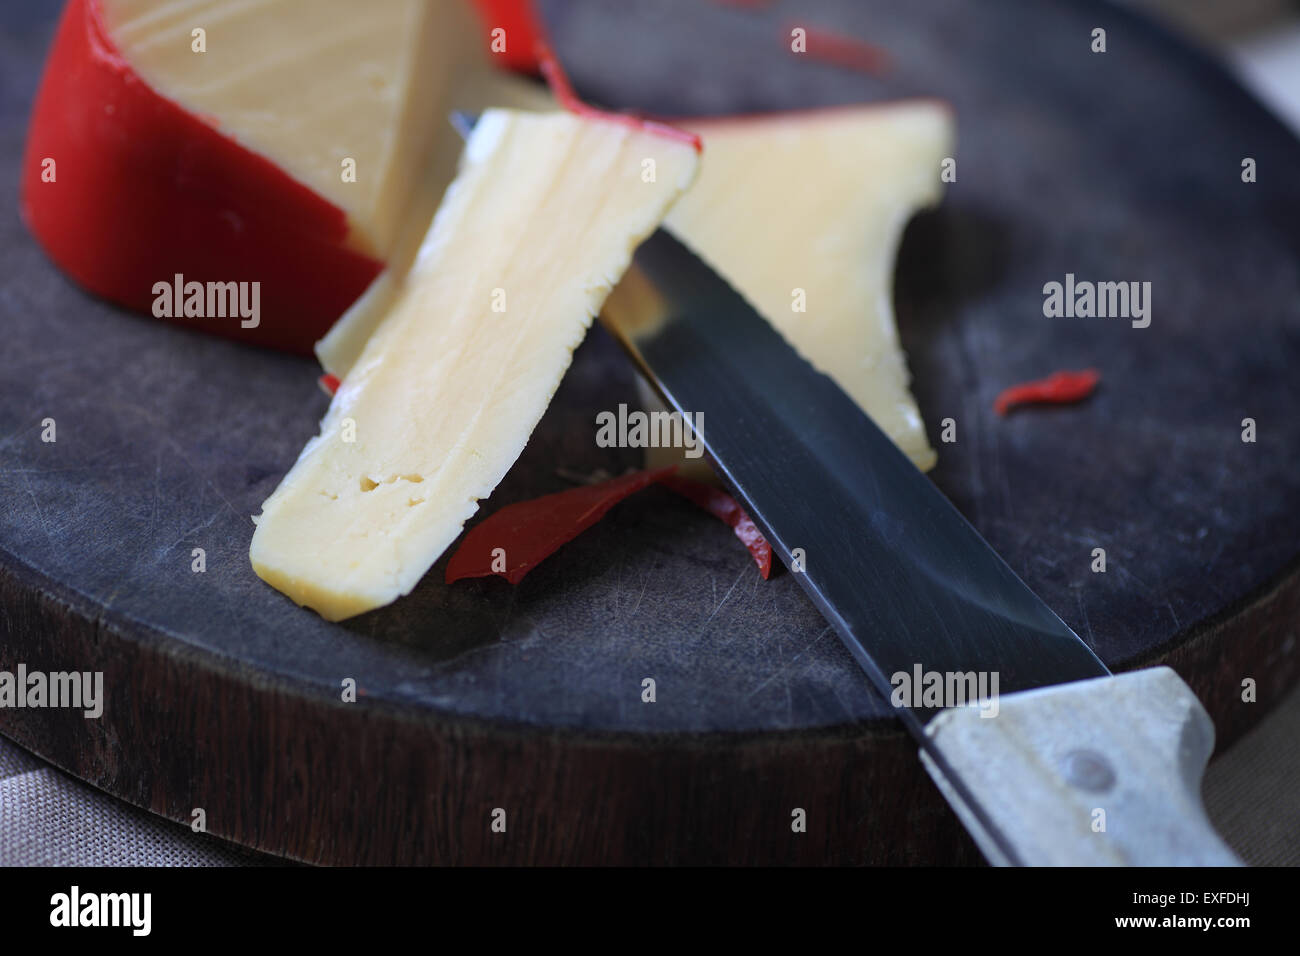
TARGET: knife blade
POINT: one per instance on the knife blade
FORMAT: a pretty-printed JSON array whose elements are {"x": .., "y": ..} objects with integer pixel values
[
  {"x": 907, "y": 583},
  {"x": 889, "y": 561}
]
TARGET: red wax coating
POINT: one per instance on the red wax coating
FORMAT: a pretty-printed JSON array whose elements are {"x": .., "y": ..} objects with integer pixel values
[
  {"x": 531, "y": 531},
  {"x": 523, "y": 31},
  {"x": 145, "y": 190},
  {"x": 330, "y": 383},
  {"x": 1060, "y": 388},
  {"x": 724, "y": 507},
  {"x": 558, "y": 81},
  {"x": 839, "y": 50}
]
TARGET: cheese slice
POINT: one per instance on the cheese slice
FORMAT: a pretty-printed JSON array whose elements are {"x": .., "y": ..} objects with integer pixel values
[
  {"x": 530, "y": 238},
  {"x": 813, "y": 205}
]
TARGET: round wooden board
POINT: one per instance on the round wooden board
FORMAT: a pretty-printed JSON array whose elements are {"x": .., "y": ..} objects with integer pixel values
[{"x": 222, "y": 694}]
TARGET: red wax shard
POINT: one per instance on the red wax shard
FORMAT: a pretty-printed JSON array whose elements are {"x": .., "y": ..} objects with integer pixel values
[
  {"x": 843, "y": 51},
  {"x": 528, "y": 532},
  {"x": 144, "y": 190},
  {"x": 724, "y": 507},
  {"x": 1061, "y": 388},
  {"x": 531, "y": 531},
  {"x": 523, "y": 31},
  {"x": 330, "y": 383}
]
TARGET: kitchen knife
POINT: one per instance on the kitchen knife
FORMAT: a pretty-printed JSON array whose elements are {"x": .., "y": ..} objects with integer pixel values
[{"x": 1078, "y": 766}]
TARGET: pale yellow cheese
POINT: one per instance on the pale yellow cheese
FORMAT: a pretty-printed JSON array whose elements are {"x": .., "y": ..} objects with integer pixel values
[
  {"x": 817, "y": 202},
  {"x": 310, "y": 84},
  {"x": 541, "y": 222},
  {"x": 339, "y": 349}
]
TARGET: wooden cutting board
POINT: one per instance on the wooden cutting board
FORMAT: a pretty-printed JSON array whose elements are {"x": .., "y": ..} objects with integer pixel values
[{"x": 222, "y": 695}]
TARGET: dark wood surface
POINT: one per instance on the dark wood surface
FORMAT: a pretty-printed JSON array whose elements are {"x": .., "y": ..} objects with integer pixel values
[{"x": 223, "y": 695}]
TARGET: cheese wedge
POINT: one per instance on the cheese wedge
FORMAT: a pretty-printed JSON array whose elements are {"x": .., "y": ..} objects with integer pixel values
[
  {"x": 530, "y": 238},
  {"x": 283, "y": 142},
  {"x": 310, "y": 84},
  {"x": 807, "y": 210}
]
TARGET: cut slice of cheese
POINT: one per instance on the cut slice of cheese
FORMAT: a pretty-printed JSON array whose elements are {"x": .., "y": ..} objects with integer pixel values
[
  {"x": 807, "y": 209},
  {"x": 284, "y": 142},
  {"x": 535, "y": 231}
]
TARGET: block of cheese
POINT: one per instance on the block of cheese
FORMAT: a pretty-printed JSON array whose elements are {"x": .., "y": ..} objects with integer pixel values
[
  {"x": 276, "y": 141},
  {"x": 806, "y": 210},
  {"x": 537, "y": 228}
]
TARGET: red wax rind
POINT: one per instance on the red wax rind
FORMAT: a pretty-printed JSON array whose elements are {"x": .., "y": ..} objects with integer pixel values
[
  {"x": 523, "y": 31},
  {"x": 531, "y": 531},
  {"x": 724, "y": 507},
  {"x": 840, "y": 50},
  {"x": 145, "y": 190},
  {"x": 330, "y": 383},
  {"x": 1060, "y": 388}
]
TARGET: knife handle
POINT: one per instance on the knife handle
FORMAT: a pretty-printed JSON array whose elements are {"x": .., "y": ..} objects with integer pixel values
[{"x": 1101, "y": 772}]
